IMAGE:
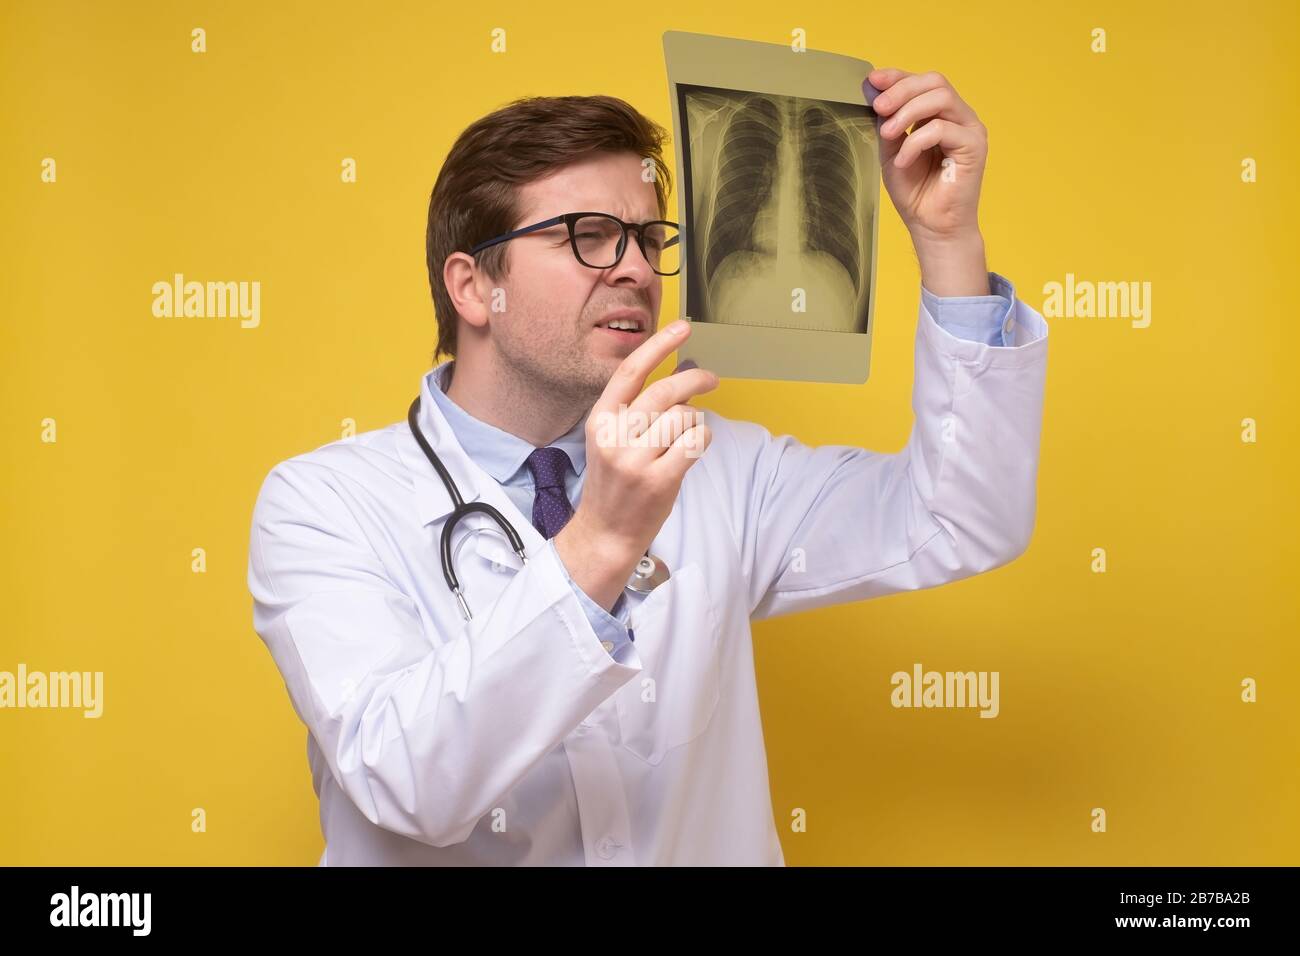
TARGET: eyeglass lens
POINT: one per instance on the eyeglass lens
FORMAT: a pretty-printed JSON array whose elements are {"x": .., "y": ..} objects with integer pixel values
[{"x": 597, "y": 239}]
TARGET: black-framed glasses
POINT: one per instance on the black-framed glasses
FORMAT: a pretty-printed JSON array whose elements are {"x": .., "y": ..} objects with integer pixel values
[{"x": 599, "y": 240}]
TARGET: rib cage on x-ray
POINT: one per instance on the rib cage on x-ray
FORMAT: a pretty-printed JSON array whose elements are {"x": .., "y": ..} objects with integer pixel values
[
  {"x": 763, "y": 136},
  {"x": 744, "y": 179}
]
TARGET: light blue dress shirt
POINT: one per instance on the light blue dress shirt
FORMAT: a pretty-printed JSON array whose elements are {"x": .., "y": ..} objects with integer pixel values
[{"x": 979, "y": 318}]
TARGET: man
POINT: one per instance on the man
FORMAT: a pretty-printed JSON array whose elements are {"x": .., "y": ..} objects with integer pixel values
[{"x": 558, "y": 717}]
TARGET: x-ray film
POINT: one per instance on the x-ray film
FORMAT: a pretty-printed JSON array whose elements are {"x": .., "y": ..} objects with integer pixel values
[{"x": 778, "y": 175}]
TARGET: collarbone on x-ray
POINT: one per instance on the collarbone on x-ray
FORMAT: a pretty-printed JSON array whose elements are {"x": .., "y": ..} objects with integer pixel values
[{"x": 784, "y": 210}]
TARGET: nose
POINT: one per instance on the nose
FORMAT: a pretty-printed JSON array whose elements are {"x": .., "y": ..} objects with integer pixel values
[{"x": 632, "y": 268}]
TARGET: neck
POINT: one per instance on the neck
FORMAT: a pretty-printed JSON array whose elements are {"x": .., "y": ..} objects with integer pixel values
[{"x": 530, "y": 411}]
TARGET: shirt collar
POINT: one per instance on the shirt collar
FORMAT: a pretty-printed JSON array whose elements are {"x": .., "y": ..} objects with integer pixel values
[{"x": 496, "y": 451}]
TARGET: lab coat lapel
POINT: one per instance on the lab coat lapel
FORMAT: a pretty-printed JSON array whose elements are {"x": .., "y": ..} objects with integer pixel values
[
  {"x": 433, "y": 502},
  {"x": 432, "y": 499}
]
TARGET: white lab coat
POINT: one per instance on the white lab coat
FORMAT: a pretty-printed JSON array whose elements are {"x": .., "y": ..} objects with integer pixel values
[{"x": 517, "y": 738}]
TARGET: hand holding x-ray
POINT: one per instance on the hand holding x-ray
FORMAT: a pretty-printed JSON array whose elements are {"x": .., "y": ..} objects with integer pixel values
[{"x": 933, "y": 174}]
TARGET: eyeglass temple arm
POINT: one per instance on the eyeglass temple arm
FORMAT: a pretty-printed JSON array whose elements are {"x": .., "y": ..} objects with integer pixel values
[{"x": 519, "y": 232}]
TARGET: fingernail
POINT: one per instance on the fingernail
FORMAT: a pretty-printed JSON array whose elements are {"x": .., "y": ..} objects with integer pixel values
[
  {"x": 684, "y": 365},
  {"x": 678, "y": 327}
]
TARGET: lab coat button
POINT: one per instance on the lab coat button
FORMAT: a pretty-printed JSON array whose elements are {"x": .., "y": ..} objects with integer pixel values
[
  {"x": 496, "y": 566},
  {"x": 607, "y": 848}
]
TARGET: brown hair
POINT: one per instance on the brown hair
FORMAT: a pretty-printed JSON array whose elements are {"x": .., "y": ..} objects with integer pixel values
[{"x": 474, "y": 197}]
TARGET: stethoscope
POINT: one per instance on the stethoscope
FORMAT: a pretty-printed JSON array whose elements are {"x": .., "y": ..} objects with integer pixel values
[{"x": 649, "y": 573}]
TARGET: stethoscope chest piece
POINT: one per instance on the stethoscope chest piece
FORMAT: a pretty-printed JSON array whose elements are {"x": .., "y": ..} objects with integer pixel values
[{"x": 649, "y": 573}]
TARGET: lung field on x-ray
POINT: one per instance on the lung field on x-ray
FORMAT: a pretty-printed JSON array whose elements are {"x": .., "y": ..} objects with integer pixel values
[{"x": 781, "y": 213}]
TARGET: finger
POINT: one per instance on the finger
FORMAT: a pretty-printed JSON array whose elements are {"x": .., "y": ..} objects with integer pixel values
[
  {"x": 905, "y": 88},
  {"x": 881, "y": 105},
  {"x": 668, "y": 426},
  {"x": 685, "y": 451},
  {"x": 885, "y": 77},
  {"x": 941, "y": 103},
  {"x": 875, "y": 82},
  {"x": 629, "y": 378},
  {"x": 942, "y": 133},
  {"x": 674, "y": 390}
]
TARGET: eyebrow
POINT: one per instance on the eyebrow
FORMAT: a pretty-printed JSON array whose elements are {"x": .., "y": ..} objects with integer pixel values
[{"x": 652, "y": 217}]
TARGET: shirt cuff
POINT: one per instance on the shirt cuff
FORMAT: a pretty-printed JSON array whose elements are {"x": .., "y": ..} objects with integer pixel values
[
  {"x": 613, "y": 631},
  {"x": 976, "y": 318}
]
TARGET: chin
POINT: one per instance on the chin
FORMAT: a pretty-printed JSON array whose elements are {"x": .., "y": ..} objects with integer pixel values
[{"x": 599, "y": 370}]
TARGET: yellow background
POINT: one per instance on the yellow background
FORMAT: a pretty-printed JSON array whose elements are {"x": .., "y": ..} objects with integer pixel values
[{"x": 1118, "y": 690}]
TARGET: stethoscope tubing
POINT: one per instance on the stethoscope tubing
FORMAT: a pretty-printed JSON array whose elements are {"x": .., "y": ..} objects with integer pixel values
[
  {"x": 459, "y": 510},
  {"x": 650, "y": 572}
]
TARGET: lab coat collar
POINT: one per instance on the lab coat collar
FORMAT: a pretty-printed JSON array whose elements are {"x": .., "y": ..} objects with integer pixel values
[
  {"x": 432, "y": 499},
  {"x": 431, "y": 495}
]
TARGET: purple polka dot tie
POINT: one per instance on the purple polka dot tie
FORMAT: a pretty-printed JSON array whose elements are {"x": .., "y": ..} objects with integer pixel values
[{"x": 551, "y": 508}]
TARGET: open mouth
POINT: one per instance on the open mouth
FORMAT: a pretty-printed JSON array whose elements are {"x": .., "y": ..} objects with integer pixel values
[{"x": 629, "y": 328}]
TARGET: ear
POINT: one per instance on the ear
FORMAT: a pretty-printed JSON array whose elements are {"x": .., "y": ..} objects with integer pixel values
[{"x": 461, "y": 276}]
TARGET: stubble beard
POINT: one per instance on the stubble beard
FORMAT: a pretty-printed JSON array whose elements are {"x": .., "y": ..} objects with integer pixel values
[{"x": 558, "y": 377}]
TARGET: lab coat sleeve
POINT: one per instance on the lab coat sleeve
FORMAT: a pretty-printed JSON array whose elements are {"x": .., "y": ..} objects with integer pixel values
[
  {"x": 423, "y": 732},
  {"x": 825, "y": 525}
]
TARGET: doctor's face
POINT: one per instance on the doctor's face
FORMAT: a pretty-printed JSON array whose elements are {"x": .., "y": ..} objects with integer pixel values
[{"x": 552, "y": 331}]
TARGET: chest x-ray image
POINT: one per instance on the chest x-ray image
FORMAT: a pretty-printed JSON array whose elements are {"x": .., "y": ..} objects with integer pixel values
[
  {"x": 781, "y": 210},
  {"x": 778, "y": 164}
]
